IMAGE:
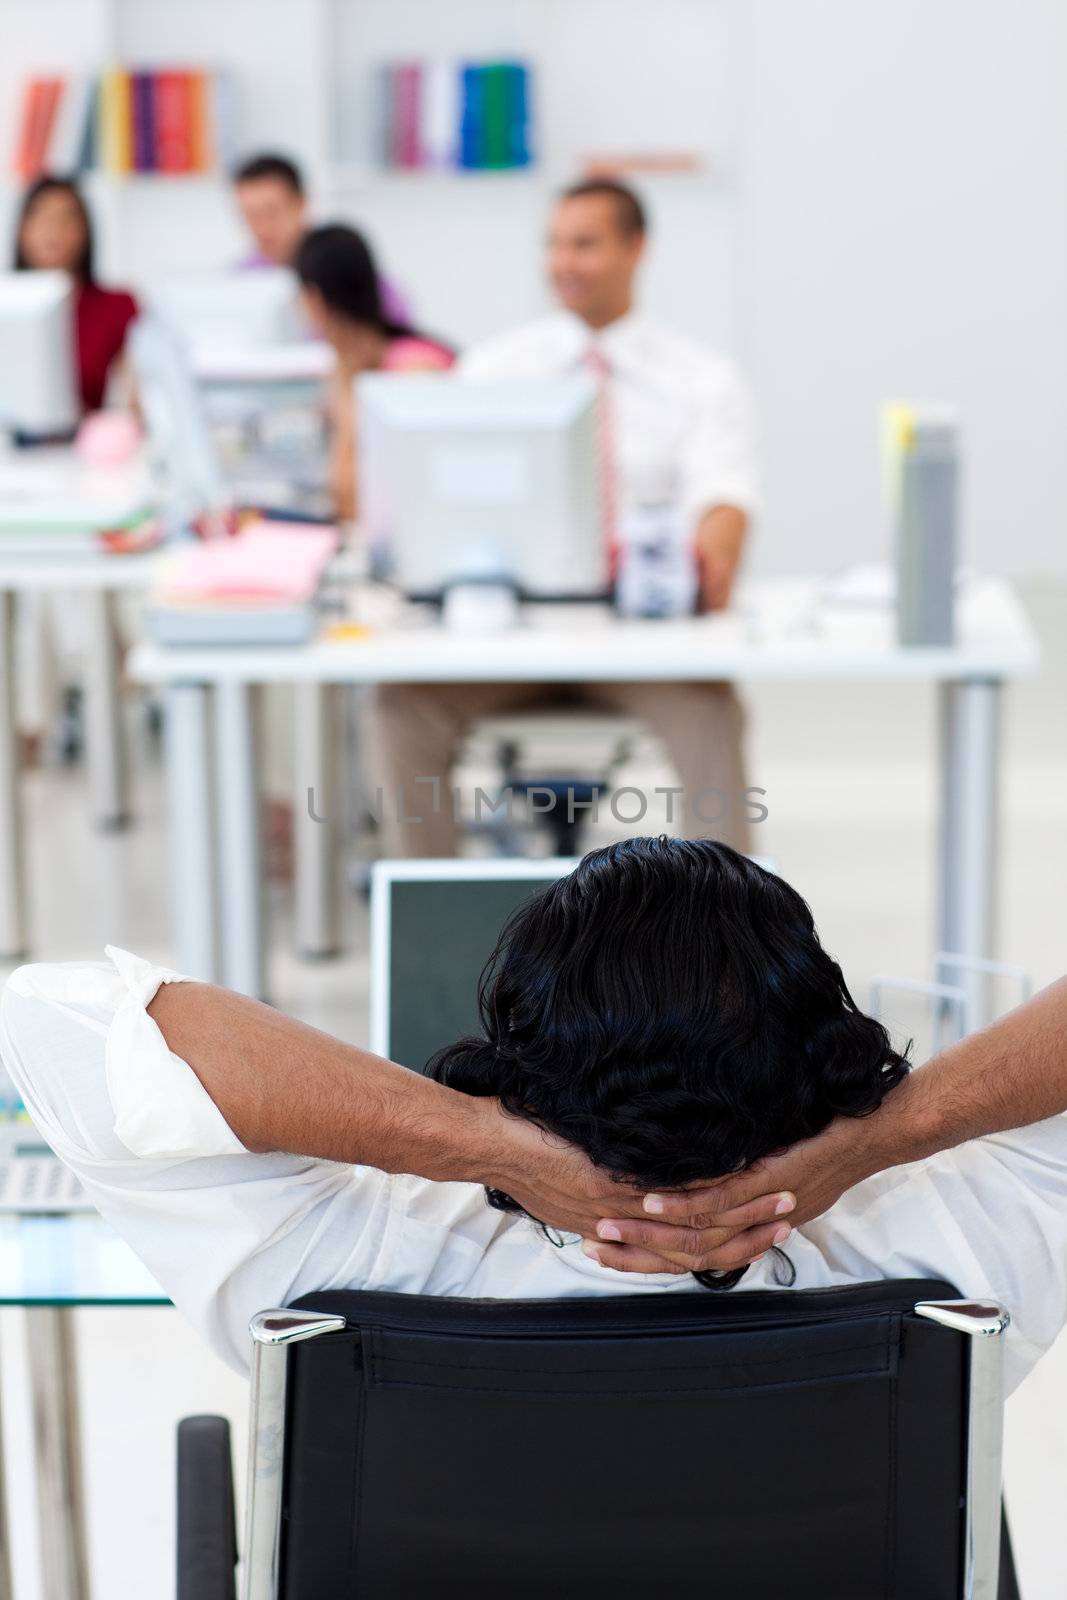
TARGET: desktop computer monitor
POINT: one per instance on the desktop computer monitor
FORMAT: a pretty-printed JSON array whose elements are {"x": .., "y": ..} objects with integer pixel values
[
  {"x": 176, "y": 424},
  {"x": 226, "y": 311},
  {"x": 38, "y": 388},
  {"x": 473, "y": 481},
  {"x": 433, "y": 927}
]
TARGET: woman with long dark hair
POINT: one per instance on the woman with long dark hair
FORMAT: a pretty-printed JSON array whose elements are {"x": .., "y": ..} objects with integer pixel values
[
  {"x": 55, "y": 231},
  {"x": 342, "y": 293}
]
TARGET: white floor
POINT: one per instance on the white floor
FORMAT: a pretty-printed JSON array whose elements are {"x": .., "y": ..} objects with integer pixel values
[{"x": 851, "y": 799}]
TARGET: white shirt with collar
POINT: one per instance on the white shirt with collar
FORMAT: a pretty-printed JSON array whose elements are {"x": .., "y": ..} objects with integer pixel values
[
  {"x": 682, "y": 419},
  {"x": 228, "y": 1233}
]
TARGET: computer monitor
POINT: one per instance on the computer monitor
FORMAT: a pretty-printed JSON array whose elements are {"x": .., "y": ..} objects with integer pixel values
[
  {"x": 38, "y": 387},
  {"x": 433, "y": 927},
  {"x": 464, "y": 480},
  {"x": 227, "y": 311},
  {"x": 177, "y": 427}
]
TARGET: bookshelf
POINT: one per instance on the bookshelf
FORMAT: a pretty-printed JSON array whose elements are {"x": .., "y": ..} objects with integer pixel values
[{"x": 608, "y": 76}]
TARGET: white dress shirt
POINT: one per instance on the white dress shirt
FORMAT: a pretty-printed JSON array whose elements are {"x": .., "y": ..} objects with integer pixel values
[
  {"x": 681, "y": 418},
  {"x": 228, "y": 1233}
]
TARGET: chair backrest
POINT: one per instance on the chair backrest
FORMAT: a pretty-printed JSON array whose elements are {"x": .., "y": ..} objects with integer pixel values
[{"x": 829, "y": 1443}]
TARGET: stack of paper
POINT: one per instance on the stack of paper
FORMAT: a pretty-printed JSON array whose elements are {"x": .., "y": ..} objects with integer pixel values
[{"x": 258, "y": 587}]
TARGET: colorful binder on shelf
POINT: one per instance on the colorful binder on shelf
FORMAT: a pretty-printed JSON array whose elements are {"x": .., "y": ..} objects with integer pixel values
[
  {"x": 40, "y": 103},
  {"x": 142, "y": 122},
  {"x": 171, "y": 120},
  {"x": 471, "y": 115},
  {"x": 173, "y": 141},
  {"x": 116, "y": 121}
]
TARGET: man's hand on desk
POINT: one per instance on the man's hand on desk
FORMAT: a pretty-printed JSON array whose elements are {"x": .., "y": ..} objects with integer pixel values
[{"x": 719, "y": 540}]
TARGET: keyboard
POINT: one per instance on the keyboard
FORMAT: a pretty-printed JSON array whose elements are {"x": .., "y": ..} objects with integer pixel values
[{"x": 32, "y": 1179}]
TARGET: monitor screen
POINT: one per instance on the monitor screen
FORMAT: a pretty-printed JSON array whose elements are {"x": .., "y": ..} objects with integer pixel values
[
  {"x": 438, "y": 935},
  {"x": 38, "y": 389}
]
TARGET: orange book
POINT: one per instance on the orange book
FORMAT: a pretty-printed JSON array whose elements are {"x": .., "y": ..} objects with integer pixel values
[
  {"x": 24, "y": 150},
  {"x": 40, "y": 104},
  {"x": 199, "y": 122}
]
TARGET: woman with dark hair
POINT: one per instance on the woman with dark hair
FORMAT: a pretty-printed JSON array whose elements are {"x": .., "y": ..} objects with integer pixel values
[
  {"x": 342, "y": 293},
  {"x": 664, "y": 1015},
  {"x": 55, "y": 231}
]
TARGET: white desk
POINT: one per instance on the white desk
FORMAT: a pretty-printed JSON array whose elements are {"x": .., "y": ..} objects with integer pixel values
[
  {"x": 43, "y": 490},
  {"x": 777, "y": 630}
]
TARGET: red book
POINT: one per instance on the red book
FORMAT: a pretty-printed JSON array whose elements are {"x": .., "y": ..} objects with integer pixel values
[{"x": 174, "y": 151}]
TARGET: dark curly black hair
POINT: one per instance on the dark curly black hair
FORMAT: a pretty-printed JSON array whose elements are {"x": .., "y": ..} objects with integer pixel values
[{"x": 667, "y": 1008}]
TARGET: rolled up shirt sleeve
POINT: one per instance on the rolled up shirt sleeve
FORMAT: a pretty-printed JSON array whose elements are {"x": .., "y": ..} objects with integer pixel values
[
  {"x": 226, "y": 1233},
  {"x": 719, "y": 454}
]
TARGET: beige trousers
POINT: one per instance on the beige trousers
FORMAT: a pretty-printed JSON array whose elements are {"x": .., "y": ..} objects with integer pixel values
[{"x": 414, "y": 731}]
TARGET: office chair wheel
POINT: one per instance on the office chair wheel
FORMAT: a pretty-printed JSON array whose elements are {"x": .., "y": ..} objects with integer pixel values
[{"x": 70, "y": 740}]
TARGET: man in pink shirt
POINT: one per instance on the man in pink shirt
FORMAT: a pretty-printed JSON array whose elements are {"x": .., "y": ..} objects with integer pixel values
[{"x": 273, "y": 203}]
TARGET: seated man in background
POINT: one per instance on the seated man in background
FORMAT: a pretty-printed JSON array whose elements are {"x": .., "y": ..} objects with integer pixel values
[
  {"x": 273, "y": 204},
  {"x": 677, "y": 430},
  {"x": 668, "y": 1009}
]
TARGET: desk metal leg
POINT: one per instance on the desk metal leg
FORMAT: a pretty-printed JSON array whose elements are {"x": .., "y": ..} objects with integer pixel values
[
  {"x": 970, "y": 769},
  {"x": 105, "y": 750},
  {"x": 189, "y": 807},
  {"x": 7, "y": 1588},
  {"x": 12, "y": 878},
  {"x": 315, "y": 803},
  {"x": 60, "y": 1504},
  {"x": 240, "y": 874}
]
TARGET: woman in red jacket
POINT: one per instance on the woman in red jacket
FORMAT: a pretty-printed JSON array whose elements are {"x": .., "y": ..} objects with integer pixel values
[{"x": 55, "y": 231}]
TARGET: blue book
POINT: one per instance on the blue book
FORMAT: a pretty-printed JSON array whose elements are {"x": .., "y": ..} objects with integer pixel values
[{"x": 472, "y": 128}]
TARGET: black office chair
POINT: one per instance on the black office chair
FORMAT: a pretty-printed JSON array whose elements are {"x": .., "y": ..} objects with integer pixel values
[
  {"x": 560, "y": 764},
  {"x": 836, "y": 1444}
]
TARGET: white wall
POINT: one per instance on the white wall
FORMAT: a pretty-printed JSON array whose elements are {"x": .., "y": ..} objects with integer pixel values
[
  {"x": 609, "y": 75},
  {"x": 889, "y": 219},
  {"x": 906, "y": 234}
]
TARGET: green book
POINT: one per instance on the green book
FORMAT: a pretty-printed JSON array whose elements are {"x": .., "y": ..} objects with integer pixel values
[{"x": 497, "y": 117}]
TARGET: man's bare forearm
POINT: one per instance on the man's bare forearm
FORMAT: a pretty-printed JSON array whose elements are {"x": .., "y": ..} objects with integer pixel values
[
  {"x": 1009, "y": 1075},
  {"x": 284, "y": 1086},
  {"x": 720, "y": 539}
]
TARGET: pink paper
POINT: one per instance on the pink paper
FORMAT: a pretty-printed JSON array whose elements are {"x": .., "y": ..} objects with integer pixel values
[{"x": 269, "y": 562}]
